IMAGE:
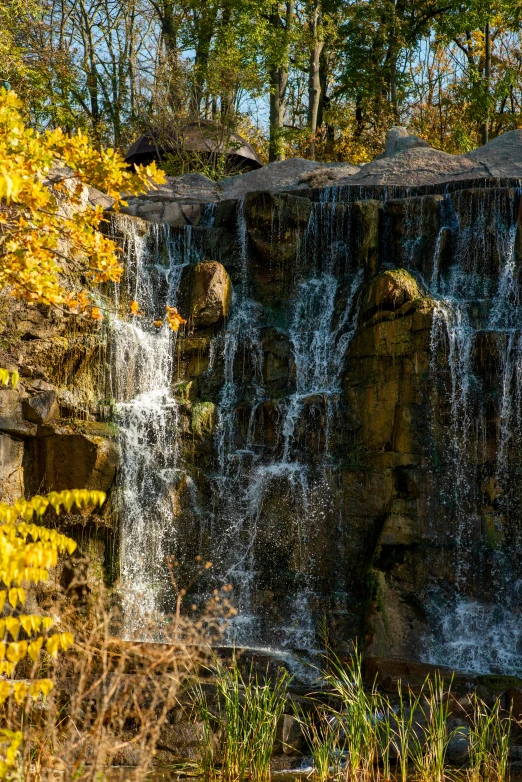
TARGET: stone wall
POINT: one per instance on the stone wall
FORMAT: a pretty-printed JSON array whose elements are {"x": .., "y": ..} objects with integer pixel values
[{"x": 379, "y": 534}]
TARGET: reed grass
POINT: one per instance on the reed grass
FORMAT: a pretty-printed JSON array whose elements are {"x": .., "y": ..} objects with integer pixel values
[
  {"x": 321, "y": 731},
  {"x": 207, "y": 722},
  {"x": 403, "y": 729},
  {"x": 430, "y": 742},
  {"x": 248, "y": 710},
  {"x": 358, "y": 735},
  {"x": 489, "y": 735},
  {"x": 356, "y": 715}
]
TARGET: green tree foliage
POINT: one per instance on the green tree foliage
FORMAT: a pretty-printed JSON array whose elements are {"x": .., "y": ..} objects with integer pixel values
[{"x": 316, "y": 78}]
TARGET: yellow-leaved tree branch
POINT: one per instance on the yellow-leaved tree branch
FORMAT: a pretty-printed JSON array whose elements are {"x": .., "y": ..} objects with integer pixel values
[
  {"x": 50, "y": 237},
  {"x": 27, "y": 552},
  {"x": 46, "y": 221}
]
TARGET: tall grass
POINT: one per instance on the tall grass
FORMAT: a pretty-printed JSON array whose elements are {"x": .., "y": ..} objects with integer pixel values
[
  {"x": 488, "y": 742},
  {"x": 358, "y": 734},
  {"x": 206, "y": 720},
  {"x": 356, "y": 737},
  {"x": 247, "y": 712},
  {"x": 321, "y": 731},
  {"x": 356, "y": 715},
  {"x": 403, "y": 729},
  {"x": 430, "y": 743}
]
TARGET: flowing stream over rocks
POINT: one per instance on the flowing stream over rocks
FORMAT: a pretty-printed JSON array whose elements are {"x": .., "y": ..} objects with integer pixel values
[{"x": 342, "y": 436}]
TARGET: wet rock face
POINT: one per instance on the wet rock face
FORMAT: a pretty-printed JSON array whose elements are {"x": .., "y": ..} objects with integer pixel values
[
  {"x": 275, "y": 225},
  {"x": 403, "y": 502},
  {"x": 340, "y": 419},
  {"x": 41, "y": 408},
  {"x": 49, "y": 438},
  {"x": 389, "y": 291},
  {"x": 71, "y": 459},
  {"x": 205, "y": 294},
  {"x": 11, "y": 468}
]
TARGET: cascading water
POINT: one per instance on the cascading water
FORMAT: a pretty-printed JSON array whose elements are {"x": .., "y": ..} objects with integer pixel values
[
  {"x": 477, "y": 311},
  {"x": 251, "y": 476},
  {"x": 146, "y": 413},
  {"x": 266, "y": 489}
]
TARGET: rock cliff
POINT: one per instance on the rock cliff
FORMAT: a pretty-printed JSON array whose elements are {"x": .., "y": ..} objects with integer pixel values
[{"x": 337, "y": 427}]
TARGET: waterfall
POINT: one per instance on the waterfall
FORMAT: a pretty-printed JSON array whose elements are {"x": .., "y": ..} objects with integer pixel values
[
  {"x": 147, "y": 416},
  {"x": 270, "y": 491},
  {"x": 250, "y": 475},
  {"x": 476, "y": 306}
]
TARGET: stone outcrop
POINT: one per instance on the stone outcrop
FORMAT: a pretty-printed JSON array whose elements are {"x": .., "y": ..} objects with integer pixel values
[
  {"x": 291, "y": 174},
  {"x": 339, "y": 466},
  {"x": 399, "y": 140},
  {"x": 49, "y": 436},
  {"x": 407, "y": 161},
  {"x": 205, "y": 294}
]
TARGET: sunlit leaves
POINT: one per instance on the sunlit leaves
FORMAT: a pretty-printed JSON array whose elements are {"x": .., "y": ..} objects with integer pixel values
[
  {"x": 6, "y": 376},
  {"x": 174, "y": 319},
  {"x": 10, "y": 742},
  {"x": 27, "y": 552},
  {"x": 57, "y": 642},
  {"x": 135, "y": 309},
  {"x": 45, "y": 219}
]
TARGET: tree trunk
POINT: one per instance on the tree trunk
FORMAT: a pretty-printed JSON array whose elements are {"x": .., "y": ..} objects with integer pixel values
[
  {"x": 204, "y": 29},
  {"x": 314, "y": 75},
  {"x": 323, "y": 78},
  {"x": 227, "y": 98},
  {"x": 487, "y": 82},
  {"x": 276, "y": 116},
  {"x": 279, "y": 83},
  {"x": 169, "y": 27}
]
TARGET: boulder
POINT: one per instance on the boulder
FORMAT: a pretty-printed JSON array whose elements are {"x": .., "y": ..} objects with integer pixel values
[
  {"x": 415, "y": 167},
  {"x": 11, "y": 418},
  {"x": 186, "y": 189},
  {"x": 390, "y": 290},
  {"x": 179, "y": 215},
  {"x": 11, "y": 468},
  {"x": 76, "y": 461},
  {"x": 398, "y": 139},
  {"x": 458, "y": 745},
  {"x": 42, "y": 408},
  {"x": 409, "y": 162},
  {"x": 205, "y": 294},
  {"x": 282, "y": 175},
  {"x": 501, "y": 157},
  {"x": 290, "y": 734}
]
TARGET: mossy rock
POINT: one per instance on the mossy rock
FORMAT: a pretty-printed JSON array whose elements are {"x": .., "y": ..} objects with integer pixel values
[
  {"x": 184, "y": 390},
  {"x": 390, "y": 291},
  {"x": 499, "y": 683},
  {"x": 202, "y": 419}
]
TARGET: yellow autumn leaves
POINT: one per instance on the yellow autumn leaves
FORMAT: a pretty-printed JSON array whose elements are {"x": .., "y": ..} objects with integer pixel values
[
  {"x": 27, "y": 551},
  {"x": 174, "y": 319},
  {"x": 45, "y": 218},
  {"x": 6, "y": 376},
  {"x": 10, "y": 742}
]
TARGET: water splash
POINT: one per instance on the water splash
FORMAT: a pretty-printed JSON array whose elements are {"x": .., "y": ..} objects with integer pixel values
[
  {"x": 146, "y": 414},
  {"x": 478, "y": 314},
  {"x": 251, "y": 475}
]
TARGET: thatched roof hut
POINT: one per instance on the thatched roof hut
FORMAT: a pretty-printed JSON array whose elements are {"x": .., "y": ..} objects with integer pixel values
[{"x": 202, "y": 137}]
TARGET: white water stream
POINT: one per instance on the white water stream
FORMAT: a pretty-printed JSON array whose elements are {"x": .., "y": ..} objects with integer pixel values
[{"x": 254, "y": 475}]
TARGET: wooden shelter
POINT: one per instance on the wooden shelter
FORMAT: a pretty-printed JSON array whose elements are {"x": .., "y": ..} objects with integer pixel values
[{"x": 203, "y": 138}]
